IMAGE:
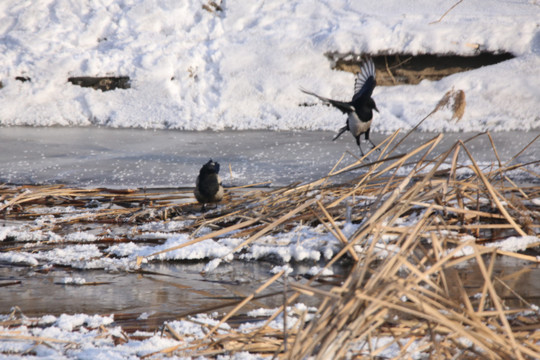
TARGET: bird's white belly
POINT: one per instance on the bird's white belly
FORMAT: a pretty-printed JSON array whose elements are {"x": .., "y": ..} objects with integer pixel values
[
  {"x": 356, "y": 126},
  {"x": 220, "y": 192}
]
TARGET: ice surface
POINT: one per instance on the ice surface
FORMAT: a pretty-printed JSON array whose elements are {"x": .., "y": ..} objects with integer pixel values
[{"x": 124, "y": 158}]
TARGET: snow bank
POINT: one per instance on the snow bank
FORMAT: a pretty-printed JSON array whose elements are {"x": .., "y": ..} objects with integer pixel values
[{"x": 241, "y": 68}]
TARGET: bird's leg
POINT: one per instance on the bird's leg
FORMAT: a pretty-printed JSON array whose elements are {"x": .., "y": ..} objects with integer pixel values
[
  {"x": 341, "y": 131},
  {"x": 368, "y": 139},
  {"x": 358, "y": 143}
]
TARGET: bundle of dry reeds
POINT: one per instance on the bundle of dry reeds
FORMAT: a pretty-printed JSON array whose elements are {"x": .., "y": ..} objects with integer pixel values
[{"x": 413, "y": 301}]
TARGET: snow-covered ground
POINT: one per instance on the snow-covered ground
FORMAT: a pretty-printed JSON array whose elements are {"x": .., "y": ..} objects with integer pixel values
[{"x": 195, "y": 67}]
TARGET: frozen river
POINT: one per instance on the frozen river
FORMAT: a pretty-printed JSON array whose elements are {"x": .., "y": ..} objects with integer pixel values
[{"x": 93, "y": 156}]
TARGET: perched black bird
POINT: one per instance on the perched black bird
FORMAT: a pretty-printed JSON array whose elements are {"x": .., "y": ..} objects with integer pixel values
[
  {"x": 360, "y": 108},
  {"x": 208, "y": 188}
]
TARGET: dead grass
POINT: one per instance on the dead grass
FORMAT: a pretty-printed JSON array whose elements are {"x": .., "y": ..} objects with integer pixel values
[
  {"x": 429, "y": 219},
  {"x": 455, "y": 100}
]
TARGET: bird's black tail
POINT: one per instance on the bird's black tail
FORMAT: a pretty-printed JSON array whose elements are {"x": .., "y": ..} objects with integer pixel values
[{"x": 345, "y": 107}]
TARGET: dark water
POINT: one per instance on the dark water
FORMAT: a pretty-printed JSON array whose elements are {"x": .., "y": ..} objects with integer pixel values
[
  {"x": 169, "y": 291},
  {"x": 163, "y": 291},
  {"x": 512, "y": 278}
]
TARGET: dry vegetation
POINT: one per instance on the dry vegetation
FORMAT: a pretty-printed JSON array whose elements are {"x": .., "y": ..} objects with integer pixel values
[
  {"x": 429, "y": 219},
  {"x": 398, "y": 69}
]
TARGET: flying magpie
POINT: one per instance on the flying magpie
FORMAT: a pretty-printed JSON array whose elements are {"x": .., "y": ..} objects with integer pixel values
[
  {"x": 208, "y": 188},
  {"x": 360, "y": 109}
]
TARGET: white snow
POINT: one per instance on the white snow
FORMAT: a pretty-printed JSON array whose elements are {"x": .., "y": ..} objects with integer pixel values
[
  {"x": 201, "y": 250},
  {"x": 69, "y": 322},
  {"x": 286, "y": 268},
  {"x": 512, "y": 244},
  {"x": 83, "y": 336},
  {"x": 315, "y": 270},
  {"x": 515, "y": 243},
  {"x": 26, "y": 233},
  {"x": 80, "y": 236},
  {"x": 242, "y": 67},
  {"x": 68, "y": 280},
  {"x": 302, "y": 243}
]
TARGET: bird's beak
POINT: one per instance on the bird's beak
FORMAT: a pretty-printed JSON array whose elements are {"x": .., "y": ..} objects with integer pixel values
[{"x": 377, "y": 110}]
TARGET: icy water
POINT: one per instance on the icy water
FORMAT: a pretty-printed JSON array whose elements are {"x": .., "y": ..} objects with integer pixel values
[
  {"x": 171, "y": 290},
  {"x": 121, "y": 158},
  {"x": 164, "y": 158},
  {"x": 146, "y": 299}
]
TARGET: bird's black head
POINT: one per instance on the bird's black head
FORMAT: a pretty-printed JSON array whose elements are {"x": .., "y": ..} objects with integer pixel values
[
  {"x": 211, "y": 167},
  {"x": 373, "y": 105}
]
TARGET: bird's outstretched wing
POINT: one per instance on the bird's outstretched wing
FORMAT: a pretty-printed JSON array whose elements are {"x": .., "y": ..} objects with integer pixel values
[
  {"x": 365, "y": 80},
  {"x": 345, "y": 107}
]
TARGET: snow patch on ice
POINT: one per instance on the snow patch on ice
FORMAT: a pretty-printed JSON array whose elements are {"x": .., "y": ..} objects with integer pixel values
[
  {"x": 70, "y": 322},
  {"x": 68, "y": 280},
  {"x": 512, "y": 244}
]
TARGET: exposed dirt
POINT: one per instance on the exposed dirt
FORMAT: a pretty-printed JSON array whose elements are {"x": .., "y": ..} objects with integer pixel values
[
  {"x": 101, "y": 83},
  {"x": 397, "y": 69}
]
